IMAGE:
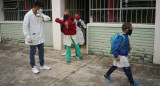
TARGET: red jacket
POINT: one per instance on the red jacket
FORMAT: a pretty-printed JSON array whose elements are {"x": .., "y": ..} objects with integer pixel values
[{"x": 71, "y": 30}]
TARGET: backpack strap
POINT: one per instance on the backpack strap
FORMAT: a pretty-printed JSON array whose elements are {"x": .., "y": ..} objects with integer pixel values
[
  {"x": 112, "y": 40},
  {"x": 123, "y": 41},
  {"x": 81, "y": 24}
]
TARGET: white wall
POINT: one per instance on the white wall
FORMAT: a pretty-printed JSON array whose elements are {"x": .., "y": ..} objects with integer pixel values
[
  {"x": 1, "y": 11},
  {"x": 156, "y": 58},
  {"x": 57, "y": 12}
]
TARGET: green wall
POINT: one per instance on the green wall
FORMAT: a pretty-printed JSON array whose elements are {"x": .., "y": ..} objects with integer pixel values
[
  {"x": 12, "y": 33},
  {"x": 142, "y": 41}
]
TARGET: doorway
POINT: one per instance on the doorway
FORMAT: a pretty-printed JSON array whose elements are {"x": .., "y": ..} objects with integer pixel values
[{"x": 82, "y": 7}]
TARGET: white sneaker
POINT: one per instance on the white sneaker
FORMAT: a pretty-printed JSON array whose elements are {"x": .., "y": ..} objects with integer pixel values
[
  {"x": 79, "y": 58},
  {"x": 35, "y": 70},
  {"x": 45, "y": 67}
]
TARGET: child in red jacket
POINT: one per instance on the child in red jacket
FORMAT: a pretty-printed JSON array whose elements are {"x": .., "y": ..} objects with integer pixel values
[{"x": 68, "y": 27}]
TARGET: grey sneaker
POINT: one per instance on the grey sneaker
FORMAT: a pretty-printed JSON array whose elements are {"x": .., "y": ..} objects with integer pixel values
[
  {"x": 79, "y": 58},
  {"x": 45, "y": 67},
  {"x": 35, "y": 70}
]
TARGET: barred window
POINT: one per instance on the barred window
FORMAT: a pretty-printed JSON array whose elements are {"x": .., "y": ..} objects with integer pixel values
[
  {"x": 14, "y": 10},
  {"x": 135, "y": 11}
]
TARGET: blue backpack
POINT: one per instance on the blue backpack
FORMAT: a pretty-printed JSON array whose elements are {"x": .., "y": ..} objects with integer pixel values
[{"x": 114, "y": 38}]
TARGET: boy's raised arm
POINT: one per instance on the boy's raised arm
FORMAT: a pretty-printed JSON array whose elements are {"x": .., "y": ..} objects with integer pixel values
[
  {"x": 59, "y": 20},
  {"x": 116, "y": 46}
]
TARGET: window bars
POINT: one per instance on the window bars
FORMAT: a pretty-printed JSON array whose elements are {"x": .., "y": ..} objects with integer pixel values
[
  {"x": 14, "y": 10},
  {"x": 135, "y": 11}
]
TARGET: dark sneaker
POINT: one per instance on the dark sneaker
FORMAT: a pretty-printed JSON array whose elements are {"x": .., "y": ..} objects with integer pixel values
[
  {"x": 68, "y": 62},
  {"x": 80, "y": 58},
  {"x": 108, "y": 78}
]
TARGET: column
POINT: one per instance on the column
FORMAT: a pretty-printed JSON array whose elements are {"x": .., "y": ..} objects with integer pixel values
[
  {"x": 156, "y": 58},
  {"x": 57, "y": 12}
]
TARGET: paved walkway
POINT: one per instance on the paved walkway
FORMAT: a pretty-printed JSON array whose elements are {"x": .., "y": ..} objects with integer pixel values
[{"x": 15, "y": 70}]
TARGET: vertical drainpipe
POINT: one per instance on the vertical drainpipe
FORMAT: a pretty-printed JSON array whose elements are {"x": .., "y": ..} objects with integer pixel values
[
  {"x": 0, "y": 32},
  {"x": 1, "y": 15},
  {"x": 87, "y": 25},
  {"x": 18, "y": 16},
  {"x": 1, "y": 11},
  {"x": 120, "y": 11}
]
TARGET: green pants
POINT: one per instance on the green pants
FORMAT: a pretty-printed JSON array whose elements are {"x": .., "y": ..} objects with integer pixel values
[{"x": 68, "y": 51}]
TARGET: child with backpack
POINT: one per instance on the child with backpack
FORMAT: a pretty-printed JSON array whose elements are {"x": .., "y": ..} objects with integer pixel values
[
  {"x": 79, "y": 26},
  {"x": 68, "y": 28},
  {"x": 120, "y": 47}
]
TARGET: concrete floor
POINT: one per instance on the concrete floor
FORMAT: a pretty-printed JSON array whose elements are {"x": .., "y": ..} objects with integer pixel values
[{"x": 15, "y": 70}]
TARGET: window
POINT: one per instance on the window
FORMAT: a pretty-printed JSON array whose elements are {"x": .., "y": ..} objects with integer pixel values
[
  {"x": 14, "y": 10},
  {"x": 135, "y": 11}
]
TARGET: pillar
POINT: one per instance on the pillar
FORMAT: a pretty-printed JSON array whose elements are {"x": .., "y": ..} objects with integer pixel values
[
  {"x": 57, "y": 12},
  {"x": 156, "y": 58}
]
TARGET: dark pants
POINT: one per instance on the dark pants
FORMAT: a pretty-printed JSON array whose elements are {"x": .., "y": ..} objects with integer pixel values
[
  {"x": 127, "y": 71},
  {"x": 76, "y": 51},
  {"x": 40, "y": 53}
]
